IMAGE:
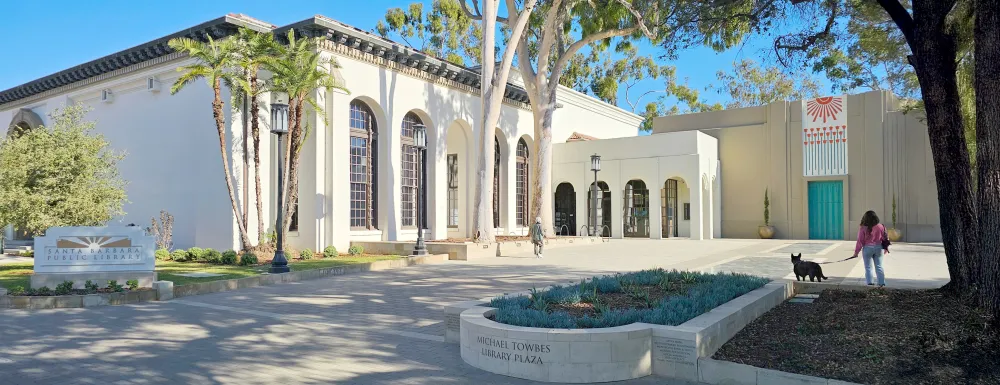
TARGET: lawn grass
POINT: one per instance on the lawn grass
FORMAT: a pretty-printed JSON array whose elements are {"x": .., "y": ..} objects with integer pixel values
[{"x": 18, "y": 274}]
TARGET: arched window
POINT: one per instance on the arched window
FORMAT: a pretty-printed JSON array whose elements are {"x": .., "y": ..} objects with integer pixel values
[
  {"x": 412, "y": 165},
  {"x": 496, "y": 182},
  {"x": 364, "y": 167},
  {"x": 522, "y": 183}
]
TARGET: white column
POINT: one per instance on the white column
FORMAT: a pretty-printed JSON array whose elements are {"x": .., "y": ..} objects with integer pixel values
[
  {"x": 696, "y": 191},
  {"x": 318, "y": 211},
  {"x": 338, "y": 169},
  {"x": 617, "y": 207},
  {"x": 391, "y": 176},
  {"x": 709, "y": 219},
  {"x": 655, "y": 211},
  {"x": 717, "y": 201},
  {"x": 508, "y": 189},
  {"x": 437, "y": 182}
]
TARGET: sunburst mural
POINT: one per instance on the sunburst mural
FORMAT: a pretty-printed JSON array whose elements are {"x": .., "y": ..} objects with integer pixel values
[
  {"x": 92, "y": 243},
  {"x": 825, "y": 108}
]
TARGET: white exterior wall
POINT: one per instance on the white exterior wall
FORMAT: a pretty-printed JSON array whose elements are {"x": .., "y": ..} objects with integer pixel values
[
  {"x": 172, "y": 162},
  {"x": 687, "y": 156}
]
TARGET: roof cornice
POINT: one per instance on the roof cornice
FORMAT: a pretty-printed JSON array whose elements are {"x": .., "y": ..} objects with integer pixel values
[{"x": 218, "y": 28}]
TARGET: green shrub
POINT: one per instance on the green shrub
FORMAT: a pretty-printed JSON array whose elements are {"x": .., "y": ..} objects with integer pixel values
[
  {"x": 248, "y": 259},
  {"x": 162, "y": 254},
  {"x": 133, "y": 284},
  {"x": 90, "y": 286},
  {"x": 44, "y": 290},
  {"x": 306, "y": 254},
  {"x": 27, "y": 253},
  {"x": 196, "y": 254},
  {"x": 64, "y": 288},
  {"x": 356, "y": 250},
  {"x": 212, "y": 256},
  {"x": 179, "y": 255},
  {"x": 16, "y": 290},
  {"x": 229, "y": 257},
  {"x": 115, "y": 287},
  {"x": 330, "y": 252}
]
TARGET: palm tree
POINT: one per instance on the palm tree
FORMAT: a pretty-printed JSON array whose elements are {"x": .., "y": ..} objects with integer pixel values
[
  {"x": 214, "y": 59},
  {"x": 253, "y": 50},
  {"x": 298, "y": 70}
]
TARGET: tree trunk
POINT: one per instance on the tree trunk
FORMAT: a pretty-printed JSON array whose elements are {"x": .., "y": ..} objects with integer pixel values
[
  {"x": 987, "y": 54},
  {"x": 246, "y": 162},
  {"x": 295, "y": 139},
  {"x": 220, "y": 125},
  {"x": 541, "y": 173},
  {"x": 489, "y": 116},
  {"x": 933, "y": 59},
  {"x": 255, "y": 134}
]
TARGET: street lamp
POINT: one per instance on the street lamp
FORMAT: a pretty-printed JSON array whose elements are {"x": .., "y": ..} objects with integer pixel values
[
  {"x": 279, "y": 127},
  {"x": 420, "y": 142},
  {"x": 595, "y": 166}
]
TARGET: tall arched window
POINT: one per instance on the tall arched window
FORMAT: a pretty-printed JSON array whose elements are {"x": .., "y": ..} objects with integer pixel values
[
  {"x": 496, "y": 182},
  {"x": 412, "y": 165},
  {"x": 522, "y": 182},
  {"x": 364, "y": 167}
]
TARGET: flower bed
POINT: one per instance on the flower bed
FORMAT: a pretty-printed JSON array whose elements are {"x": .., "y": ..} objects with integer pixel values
[{"x": 652, "y": 296}]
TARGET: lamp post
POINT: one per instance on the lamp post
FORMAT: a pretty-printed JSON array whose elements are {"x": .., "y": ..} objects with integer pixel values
[
  {"x": 279, "y": 127},
  {"x": 595, "y": 166},
  {"x": 420, "y": 142}
]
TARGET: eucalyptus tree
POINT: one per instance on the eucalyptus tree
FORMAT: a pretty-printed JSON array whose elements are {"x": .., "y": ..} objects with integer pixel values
[
  {"x": 298, "y": 70},
  {"x": 445, "y": 32},
  {"x": 213, "y": 62}
]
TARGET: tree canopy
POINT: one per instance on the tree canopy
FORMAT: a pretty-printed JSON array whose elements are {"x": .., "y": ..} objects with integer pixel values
[{"x": 60, "y": 175}]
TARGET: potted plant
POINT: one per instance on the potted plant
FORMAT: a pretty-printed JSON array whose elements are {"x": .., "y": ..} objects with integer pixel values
[
  {"x": 894, "y": 233},
  {"x": 766, "y": 231}
]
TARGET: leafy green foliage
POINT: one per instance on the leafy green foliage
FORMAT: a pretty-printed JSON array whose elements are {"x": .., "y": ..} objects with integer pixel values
[
  {"x": 306, "y": 254},
  {"x": 196, "y": 254},
  {"x": 44, "y": 290},
  {"x": 133, "y": 284},
  {"x": 229, "y": 257},
  {"x": 64, "y": 288},
  {"x": 61, "y": 175},
  {"x": 248, "y": 259},
  {"x": 767, "y": 209},
  {"x": 330, "y": 252},
  {"x": 749, "y": 85},
  {"x": 179, "y": 255},
  {"x": 114, "y": 286},
  {"x": 17, "y": 290},
  {"x": 212, "y": 256},
  {"x": 356, "y": 250},
  {"x": 90, "y": 286},
  {"x": 27, "y": 253},
  {"x": 446, "y": 32},
  {"x": 162, "y": 254},
  {"x": 893, "y": 210},
  {"x": 708, "y": 291}
]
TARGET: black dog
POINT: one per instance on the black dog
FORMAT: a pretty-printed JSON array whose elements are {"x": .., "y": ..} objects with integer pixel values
[{"x": 804, "y": 268}]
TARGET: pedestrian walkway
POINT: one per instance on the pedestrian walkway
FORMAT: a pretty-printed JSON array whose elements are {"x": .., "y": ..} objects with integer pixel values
[{"x": 371, "y": 328}]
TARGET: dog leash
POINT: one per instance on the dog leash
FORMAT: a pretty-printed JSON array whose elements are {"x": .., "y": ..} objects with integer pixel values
[{"x": 842, "y": 260}]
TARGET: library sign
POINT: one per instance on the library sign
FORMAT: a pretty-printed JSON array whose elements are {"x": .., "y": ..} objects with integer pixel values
[{"x": 94, "y": 249}]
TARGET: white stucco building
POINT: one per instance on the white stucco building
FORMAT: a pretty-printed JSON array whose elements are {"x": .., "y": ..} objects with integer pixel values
[{"x": 173, "y": 161}]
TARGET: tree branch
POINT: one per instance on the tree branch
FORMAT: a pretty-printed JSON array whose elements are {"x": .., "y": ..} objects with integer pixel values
[
  {"x": 478, "y": 15},
  {"x": 900, "y": 16},
  {"x": 576, "y": 46},
  {"x": 639, "y": 18},
  {"x": 516, "y": 36},
  {"x": 549, "y": 33}
]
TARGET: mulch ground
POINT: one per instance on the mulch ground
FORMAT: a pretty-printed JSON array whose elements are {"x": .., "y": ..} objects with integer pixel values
[
  {"x": 873, "y": 337},
  {"x": 622, "y": 300}
]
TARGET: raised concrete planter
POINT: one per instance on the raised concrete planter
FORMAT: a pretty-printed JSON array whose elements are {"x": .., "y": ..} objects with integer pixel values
[
  {"x": 295, "y": 276},
  {"x": 606, "y": 354},
  {"x": 73, "y": 301}
]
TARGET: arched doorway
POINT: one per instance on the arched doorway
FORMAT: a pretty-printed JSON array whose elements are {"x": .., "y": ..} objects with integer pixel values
[
  {"x": 565, "y": 210},
  {"x": 671, "y": 210},
  {"x": 604, "y": 208},
  {"x": 636, "y": 204}
]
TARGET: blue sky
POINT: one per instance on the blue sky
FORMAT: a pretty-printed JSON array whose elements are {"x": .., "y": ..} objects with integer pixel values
[{"x": 45, "y": 37}]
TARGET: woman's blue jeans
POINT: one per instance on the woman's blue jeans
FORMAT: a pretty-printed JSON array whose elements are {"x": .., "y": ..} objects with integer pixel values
[{"x": 873, "y": 254}]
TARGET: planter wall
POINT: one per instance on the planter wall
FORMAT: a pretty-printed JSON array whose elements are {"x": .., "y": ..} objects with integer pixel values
[
  {"x": 606, "y": 354},
  {"x": 470, "y": 250},
  {"x": 73, "y": 301}
]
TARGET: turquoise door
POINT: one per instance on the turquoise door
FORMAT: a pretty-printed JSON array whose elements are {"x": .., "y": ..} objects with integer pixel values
[{"x": 826, "y": 210}]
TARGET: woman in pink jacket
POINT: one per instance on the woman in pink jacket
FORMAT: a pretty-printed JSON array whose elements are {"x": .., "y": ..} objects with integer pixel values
[{"x": 870, "y": 237}]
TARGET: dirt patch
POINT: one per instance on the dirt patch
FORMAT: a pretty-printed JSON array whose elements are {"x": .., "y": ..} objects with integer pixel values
[
  {"x": 632, "y": 298},
  {"x": 873, "y": 337}
]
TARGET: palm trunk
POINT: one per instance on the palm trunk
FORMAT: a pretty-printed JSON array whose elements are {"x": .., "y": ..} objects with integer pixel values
[
  {"x": 246, "y": 163},
  {"x": 255, "y": 135},
  {"x": 987, "y": 54},
  {"x": 220, "y": 125},
  {"x": 295, "y": 146}
]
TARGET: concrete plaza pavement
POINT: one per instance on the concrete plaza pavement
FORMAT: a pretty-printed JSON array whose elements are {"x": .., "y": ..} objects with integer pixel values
[{"x": 370, "y": 328}]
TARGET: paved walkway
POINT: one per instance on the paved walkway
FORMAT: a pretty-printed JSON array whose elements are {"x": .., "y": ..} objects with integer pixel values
[{"x": 371, "y": 328}]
